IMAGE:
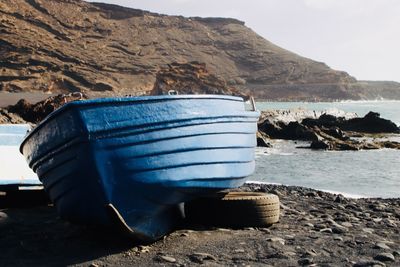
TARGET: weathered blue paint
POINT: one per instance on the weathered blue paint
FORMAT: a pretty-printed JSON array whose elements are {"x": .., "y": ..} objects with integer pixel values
[{"x": 143, "y": 156}]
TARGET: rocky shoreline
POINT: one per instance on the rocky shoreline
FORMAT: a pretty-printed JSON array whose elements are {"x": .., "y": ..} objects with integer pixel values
[
  {"x": 327, "y": 131},
  {"x": 26, "y": 112},
  {"x": 315, "y": 229}
]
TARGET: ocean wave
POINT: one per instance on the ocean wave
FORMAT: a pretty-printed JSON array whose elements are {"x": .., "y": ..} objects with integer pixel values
[
  {"x": 347, "y": 195},
  {"x": 368, "y": 101}
]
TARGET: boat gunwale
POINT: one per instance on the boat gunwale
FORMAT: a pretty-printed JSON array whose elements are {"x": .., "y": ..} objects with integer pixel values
[{"x": 121, "y": 100}]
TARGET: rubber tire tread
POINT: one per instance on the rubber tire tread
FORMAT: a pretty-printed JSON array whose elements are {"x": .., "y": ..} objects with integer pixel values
[{"x": 234, "y": 209}]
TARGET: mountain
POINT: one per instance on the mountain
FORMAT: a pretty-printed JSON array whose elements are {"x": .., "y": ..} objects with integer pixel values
[{"x": 100, "y": 49}]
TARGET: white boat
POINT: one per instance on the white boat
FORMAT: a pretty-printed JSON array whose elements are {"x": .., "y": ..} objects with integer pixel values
[{"x": 14, "y": 172}]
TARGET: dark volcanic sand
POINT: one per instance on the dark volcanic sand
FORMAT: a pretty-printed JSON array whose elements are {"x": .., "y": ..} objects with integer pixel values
[{"x": 316, "y": 228}]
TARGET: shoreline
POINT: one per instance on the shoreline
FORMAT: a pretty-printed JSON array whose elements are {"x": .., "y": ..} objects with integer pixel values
[
  {"x": 346, "y": 195},
  {"x": 315, "y": 228},
  {"x": 338, "y": 101}
]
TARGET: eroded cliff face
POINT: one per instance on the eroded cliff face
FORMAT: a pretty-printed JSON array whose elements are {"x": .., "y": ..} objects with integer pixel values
[
  {"x": 70, "y": 45},
  {"x": 191, "y": 78}
]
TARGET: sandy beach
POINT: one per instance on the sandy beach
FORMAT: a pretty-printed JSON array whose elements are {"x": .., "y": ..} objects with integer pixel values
[{"x": 315, "y": 229}]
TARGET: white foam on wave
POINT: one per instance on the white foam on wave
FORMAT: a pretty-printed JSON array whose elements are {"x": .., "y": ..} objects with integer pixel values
[
  {"x": 347, "y": 195},
  {"x": 369, "y": 101}
]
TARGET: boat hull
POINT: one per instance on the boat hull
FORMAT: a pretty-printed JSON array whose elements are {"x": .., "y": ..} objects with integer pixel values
[{"x": 137, "y": 159}]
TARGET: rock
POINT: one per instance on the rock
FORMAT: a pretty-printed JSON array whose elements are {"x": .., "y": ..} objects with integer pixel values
[
  {"x": 35, "y": 113},
  {"x": 279, "y": 194},
  {"x": 326, "y": 230},
  {"x": 276, "y": 239},
  {"x": 370, "y": 123},
  {"x": 200, "y": 257},
  {"x": 347, "y": 224},
  {"x": 381, "y": 245},
  {"x": 262, "y": 140},
  {"x": 167, "y": 259},
  {"x": 325, "y": 120},
  {"x": 344, "y": 146},
  {"x": 224, "y": 230},
  {"x": 333, "y": 223},
  {"x": 355, "y": 219},
  {"x": 309, "y": 253},
  {"x": 270, "y": 128},
  {"x": 296, "y": 131},
  {"x": 305, "y": 261},
  {"x": 319, "y": 144},
  {"x": 340, "y": 199},
  {"x": 338, "y": 238},
  {"x": 368, "y": 230},
  {"x": 311, "y": 194},
  {"x": 336, "y": 132},
  {"x": 7, "y": 117},
  {"x": 338, "y": 230},
  {"x": 368, "y": 263},
  {"x": 143, "y": 249},
  {"x": 389, "y": 144},
  {"x": 384, "y": 257},
  {"x": 326, "y": 132},
  {"x": 265, "y": 230},
  {"x": 291, "y": 131},
  {"x": 319, "y": 226},
  {"x": 389, "y": 222}
]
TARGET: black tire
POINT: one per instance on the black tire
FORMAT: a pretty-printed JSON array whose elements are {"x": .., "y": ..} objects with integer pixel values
[
  {"x": 234, "y": 209},
  {"x": 4, "y": 220}
]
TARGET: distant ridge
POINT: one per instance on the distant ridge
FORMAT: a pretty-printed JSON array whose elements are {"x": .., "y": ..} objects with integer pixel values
[{"x": 101, "y": 49}]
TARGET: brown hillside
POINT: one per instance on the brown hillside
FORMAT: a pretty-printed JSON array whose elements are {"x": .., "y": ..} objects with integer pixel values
[{"x": 100, "y": 49}]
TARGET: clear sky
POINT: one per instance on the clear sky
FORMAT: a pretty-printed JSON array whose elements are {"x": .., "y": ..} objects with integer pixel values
[{"x": 361, "y": 37}]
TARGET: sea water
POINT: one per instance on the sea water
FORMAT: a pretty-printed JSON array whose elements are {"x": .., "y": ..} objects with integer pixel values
[
  {"x": 13, "y": 167},
  {"x": 369, "y": 173}
]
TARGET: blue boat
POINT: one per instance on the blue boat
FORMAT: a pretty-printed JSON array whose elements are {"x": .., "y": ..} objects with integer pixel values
[{"x": 132, "y": 161}]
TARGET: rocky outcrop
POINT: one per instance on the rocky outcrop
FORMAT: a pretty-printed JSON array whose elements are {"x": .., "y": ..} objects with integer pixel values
[
  {"x": 10, "y": 118},
  {"x": 191, "y": 78},
  {"x": 263, "y": 140},
  {"x": 370, "y": 123},
  {"x": 34, "y": 113},
  {"x": 103, "y": 50},
  {"x": 331, "y": 132}
]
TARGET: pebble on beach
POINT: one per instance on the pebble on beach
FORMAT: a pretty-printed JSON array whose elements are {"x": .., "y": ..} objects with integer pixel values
[{"x": 314, "y": 230}]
